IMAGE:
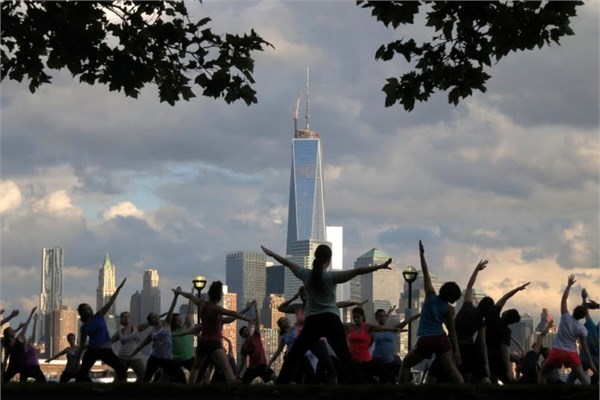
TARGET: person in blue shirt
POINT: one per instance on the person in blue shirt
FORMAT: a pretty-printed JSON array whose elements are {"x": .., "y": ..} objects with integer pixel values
[
  {"x": 591, "y": 339},
  {"x": 99, "y": 346},
  {"x": 436, "y": 311}
]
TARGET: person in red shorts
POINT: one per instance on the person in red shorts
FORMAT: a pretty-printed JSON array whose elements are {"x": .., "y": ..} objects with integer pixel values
[
  {"x": 564, "y": 345},
  {"x": 254, "y": 351}
]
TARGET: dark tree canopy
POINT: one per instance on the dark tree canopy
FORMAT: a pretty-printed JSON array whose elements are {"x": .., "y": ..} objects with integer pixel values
[
  {"x": 126, "y": 45},
  {"x": 469, "y": 37}
]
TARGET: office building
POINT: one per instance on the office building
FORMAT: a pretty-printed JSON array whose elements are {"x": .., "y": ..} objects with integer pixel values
[
  {"x": 269, "y": 312},
  {"x": 150, "y": 295},
  {"x": 381, "y": 288},
  {"x": 230, "y": 331},
  {"x": 275, "y": 279},
  {"x": 106, "y": 285},
  {"x": 135, "y": 308},
  {"x": 246, "y": 275},
  {"x": 335, "y": 235},
  {"x": 50, "y": 292}
]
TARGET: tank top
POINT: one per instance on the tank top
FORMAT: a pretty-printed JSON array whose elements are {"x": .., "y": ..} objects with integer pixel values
[
  {"x": 212, "y": 325},
  {"x": 385, "y": 346},
  {"x": 72, "y": 360},
  {"x": 359, "y": 342},
  {"x": 129, "y": 342}
]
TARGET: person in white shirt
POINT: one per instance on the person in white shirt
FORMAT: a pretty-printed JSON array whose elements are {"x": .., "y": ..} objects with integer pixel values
[{"x": 564, "y": 345}]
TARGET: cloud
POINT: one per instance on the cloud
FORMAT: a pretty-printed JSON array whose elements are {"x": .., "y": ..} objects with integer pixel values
[
  {"x": 123, "y": 209},
  {"x": 57, "y": 203},
  {"x": 11, "y": 196}
]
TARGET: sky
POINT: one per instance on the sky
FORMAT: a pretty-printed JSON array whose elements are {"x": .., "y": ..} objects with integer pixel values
[{"x": 511, "y": 176}]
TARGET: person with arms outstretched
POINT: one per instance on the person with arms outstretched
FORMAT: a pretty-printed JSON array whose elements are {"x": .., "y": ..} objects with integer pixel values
[
  {"x": 253, "y": 350},
  {"x": 564, "y": 345},
  {"x": 498, "y": 337},
  {"x": 72, "y": 367},
  {"x": 436, "y": 311},
  {"x": 99, "y": 346},
  {"x": 14, "y": 349},
  {"x": 322, "y": 318},
  {"x": 210, "y": 343}
]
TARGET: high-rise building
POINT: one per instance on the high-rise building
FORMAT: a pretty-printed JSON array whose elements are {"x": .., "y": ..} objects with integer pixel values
[
  {"x": 61, "y": 322},
  {"x": 135, "y": 308},
  {"x": 230, "y": 331},
  {"x": 150, "y": 295},
  {"x": 381, "y": 288},
  {"x": 269, "y": 313},
  {"x": 246, "y": 275},
  {"x": 523, "y": 332},
  {"x": 275, "y": 276},
  {"x": 106, "y": 285},
  {"x": 270, "y": 339},
  {"x": 306, "y": 217},
  {"x": 50, "y": 292}
]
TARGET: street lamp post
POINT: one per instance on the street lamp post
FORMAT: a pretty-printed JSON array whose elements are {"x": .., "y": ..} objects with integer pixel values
[
  {"x": 410, "y": 274},
  {"x": 199, "y": 283}
]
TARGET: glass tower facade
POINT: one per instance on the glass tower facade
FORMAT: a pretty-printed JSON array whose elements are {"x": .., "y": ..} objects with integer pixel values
[{"x": 306, "y": 217}]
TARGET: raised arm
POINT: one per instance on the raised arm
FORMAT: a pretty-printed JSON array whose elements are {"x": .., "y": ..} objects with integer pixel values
[
  {"x": 54, "y": 357},
  {"x": 468, "y": 291},
  {"x": 26, "y": 325},
  {"x": 189, "y": 316},
  {"x": 346, "y": 275},
  {"x": 256, "y": 315},
  {"x": 346, "y": 303},
  {"x": 278, "y": 351},
  {"x": 482, "y": 345},
  {"x": 295, "y": 268},
  {"x": 563, "y": 301},
  {"x": 140, "y": 346},
  {"x": 230, "y": 319},
  {"x": 231, "y": 313},
  {"x": 429, "y": 290},
  {"x": 287, "y": 306},
  {"x": 172, "y": 307},
  {"x": 194, "y": 330},
  {"x": 144, "y": 325},
  {"x": 13, "y": 314},
  {"x": 500, "y": 303},
  {"x": 407, "y": 321},
  {"x": 112, "y": 299},
  {"x": 35, "y": 320},
  {"x": 537, "y": 346},
  {"x": 191, "y": 296},
  {"x": 389, "y": 311}
]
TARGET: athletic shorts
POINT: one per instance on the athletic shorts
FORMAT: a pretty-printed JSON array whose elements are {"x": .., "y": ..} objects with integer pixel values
[
  {"x": 206, "y": 347},
  {"x": 557, "y": 358},
  {"x": 428, "y": 345}
]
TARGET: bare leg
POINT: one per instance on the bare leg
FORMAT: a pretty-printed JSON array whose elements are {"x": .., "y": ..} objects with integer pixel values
[
  {"x": 220, "y": 359},
  {"x": 198, "y": 362},
  {"x": 409, "y": 361},
  {"x": 449, "y": 365},
  {"x": 583, "y": 378}
]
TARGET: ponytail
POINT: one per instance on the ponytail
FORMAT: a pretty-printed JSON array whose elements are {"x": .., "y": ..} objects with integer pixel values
[{"x": 322, "y": 256}]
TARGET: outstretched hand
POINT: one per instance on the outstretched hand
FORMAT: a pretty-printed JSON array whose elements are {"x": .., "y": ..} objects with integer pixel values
[
  {"x": 571, "y": 280},
  {"x": 386, "y": 265},
  {"x": 482, "y": 264},
  {"x": 122, "y": 283},
  {"x": 267, "y": 251},
  {"x": 592, "y": 305},
  {"x": 523, "y": 286},
  {"x": 421, "y": 248}
]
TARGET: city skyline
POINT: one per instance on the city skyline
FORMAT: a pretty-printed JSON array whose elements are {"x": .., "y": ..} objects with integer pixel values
[{"x": 510, "y": 175}]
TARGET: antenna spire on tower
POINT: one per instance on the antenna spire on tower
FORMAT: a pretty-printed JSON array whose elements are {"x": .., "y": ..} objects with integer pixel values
[{"x": 307, "y": 100}]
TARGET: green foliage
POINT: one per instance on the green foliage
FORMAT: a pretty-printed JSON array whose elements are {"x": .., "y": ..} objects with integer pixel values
[
  {"x": 126, "y": 45},
  {"x": 468, "y": 38}
]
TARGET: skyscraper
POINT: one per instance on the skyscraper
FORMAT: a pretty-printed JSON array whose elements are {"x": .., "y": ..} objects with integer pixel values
[
  {"x": 50, "y": 291},
  {"x": 269, "y": 315},
  {"x": 246, "y": 275},
  {"x": 380, "y": 288},
  {"x": 106, "y": 285},
  {"x": 61, "y": 322},
  {"x": 230, "y": 331},
  {"x": 150, "y": 296},
  {"x": 306, "y": 215},
  {"x": 135, "y": 308},
  {"x": 335, "y": 235},
  {"x": 275, "y": 276}
]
